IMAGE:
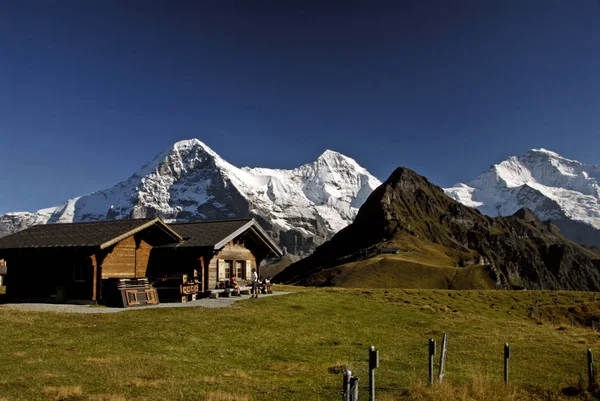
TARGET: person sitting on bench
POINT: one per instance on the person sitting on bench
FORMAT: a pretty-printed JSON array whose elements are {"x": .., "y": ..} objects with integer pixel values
[{"x": 233, "y": 284}]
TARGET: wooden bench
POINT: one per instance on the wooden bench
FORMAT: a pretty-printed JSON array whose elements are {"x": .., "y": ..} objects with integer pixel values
[{"x": 228, "y": 292}]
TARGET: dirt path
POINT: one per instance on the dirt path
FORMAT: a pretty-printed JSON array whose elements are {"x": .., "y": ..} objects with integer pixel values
[{"x": 65, "y": 308}]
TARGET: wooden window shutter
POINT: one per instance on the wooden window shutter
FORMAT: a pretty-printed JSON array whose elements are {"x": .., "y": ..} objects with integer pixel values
[
  {"x": 221, "y": 269},
  {"x": 248, "y": 269}
]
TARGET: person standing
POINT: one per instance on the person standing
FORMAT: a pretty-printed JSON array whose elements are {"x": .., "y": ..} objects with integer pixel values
[{"x": 254, "y": 284}]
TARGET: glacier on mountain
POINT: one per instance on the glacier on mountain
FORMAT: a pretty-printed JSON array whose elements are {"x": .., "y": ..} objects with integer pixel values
[
  {"x": 555, "y": 188},
  {"x": 188, "y": 181}
]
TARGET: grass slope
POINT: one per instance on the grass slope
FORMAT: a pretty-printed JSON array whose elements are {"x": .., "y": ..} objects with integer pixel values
[
  {"x": 293, "y": 347},
  {"x": 398, "y": 271},
  {"x": 420, "y": 264}
]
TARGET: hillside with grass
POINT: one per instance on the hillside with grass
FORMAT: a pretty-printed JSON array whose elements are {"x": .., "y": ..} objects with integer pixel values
[
  {"x": 275, "y": 349},
  {"x": 446, "y": 245}
]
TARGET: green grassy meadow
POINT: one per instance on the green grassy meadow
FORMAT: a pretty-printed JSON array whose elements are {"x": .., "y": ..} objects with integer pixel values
[
  {"x": 399, "y": 271},
  {"x": 293, "y": 347}
]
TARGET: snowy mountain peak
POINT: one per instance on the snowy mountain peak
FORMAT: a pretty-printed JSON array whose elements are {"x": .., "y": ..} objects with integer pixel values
[
  {"x": 332, "y": 155},
  {"x": 328, "y": 152},
  {"x": 181, "y": 155},
  {"x": 338, "y": 161},
  {"x": 554, "y": 187},
  {"x": 189, "y": 181},
  {"x": 545, "y": 152}
]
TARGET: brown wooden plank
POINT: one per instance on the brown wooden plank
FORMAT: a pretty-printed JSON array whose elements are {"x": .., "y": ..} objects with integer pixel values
[
  {"x": 95, "y": 279},
  {"x": 120, "y": 262},
  {"x": 142, "y": 257}
]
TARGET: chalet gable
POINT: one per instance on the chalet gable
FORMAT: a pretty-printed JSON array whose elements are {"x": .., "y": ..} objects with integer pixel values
[{"x": 216, "y": 234}]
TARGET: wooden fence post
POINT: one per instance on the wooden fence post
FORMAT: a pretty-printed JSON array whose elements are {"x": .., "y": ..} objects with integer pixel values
[
  {"x": 590, "y": 361},
  {"x": 353, "y": 389},
  {"x": 346, "y": 385},
  {"x": 506, "y": 358},
  {"x": 349, "y": 386},
  {"x": 443, "y": 358},
  {"x": 431, "y": 354},
  {"x": 373, "y": 364}
]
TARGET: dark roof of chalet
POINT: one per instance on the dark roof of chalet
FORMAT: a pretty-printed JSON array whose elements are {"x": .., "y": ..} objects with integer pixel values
[
  {"x": 216, "y": 233},
  {"x": 86, "y": 234}
]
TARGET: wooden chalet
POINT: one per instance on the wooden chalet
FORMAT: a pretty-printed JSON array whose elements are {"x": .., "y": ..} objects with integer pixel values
[
  {"x": 70, "y": 261},
  {"x": 218, "y": 248}
]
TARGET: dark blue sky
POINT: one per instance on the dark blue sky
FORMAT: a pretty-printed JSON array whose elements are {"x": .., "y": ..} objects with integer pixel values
[{"x": 92, "y": 90}]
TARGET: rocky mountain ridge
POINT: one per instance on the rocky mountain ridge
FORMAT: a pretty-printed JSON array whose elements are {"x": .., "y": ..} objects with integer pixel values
[
  {"x": 513, "y": 252},
  {"x": 188, "y": 181}
]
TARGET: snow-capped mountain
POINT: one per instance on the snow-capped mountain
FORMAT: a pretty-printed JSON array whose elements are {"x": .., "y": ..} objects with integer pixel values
[
  {"x": 300, "y": 208},
  {"x": 555, "y": 188}
]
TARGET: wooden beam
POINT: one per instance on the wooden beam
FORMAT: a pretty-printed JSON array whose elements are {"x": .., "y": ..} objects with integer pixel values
[
  {"x": 135, "y": 256},
  {"x": 201, "y": 260},
  {"x": 95, "y": 279}
]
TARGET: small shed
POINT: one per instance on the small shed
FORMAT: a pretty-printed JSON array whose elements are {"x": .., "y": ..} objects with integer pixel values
[
  {"x": 389, "y": 251},
  {"x": 70, "y": 261},
  {"x": 221, "y": 248}
]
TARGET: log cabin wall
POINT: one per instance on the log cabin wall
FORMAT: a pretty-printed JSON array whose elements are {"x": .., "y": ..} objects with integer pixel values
[
  {"x": 127, "y": 259},
  {"x": 142, "y": 257},
  {"x": 211, "y": 274},
  {"x": 173, "y": 261},
  {"x": 46, "y": 274},
  {"x": 119, "y": 262},
  {"x": 234, "y": 257},
  {"x": 28, "y": 278}
]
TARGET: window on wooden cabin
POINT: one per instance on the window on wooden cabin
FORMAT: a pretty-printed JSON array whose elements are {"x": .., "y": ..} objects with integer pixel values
[
  {"x": 240, "y": 268},
  {"x": 227, "y": 266}
]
